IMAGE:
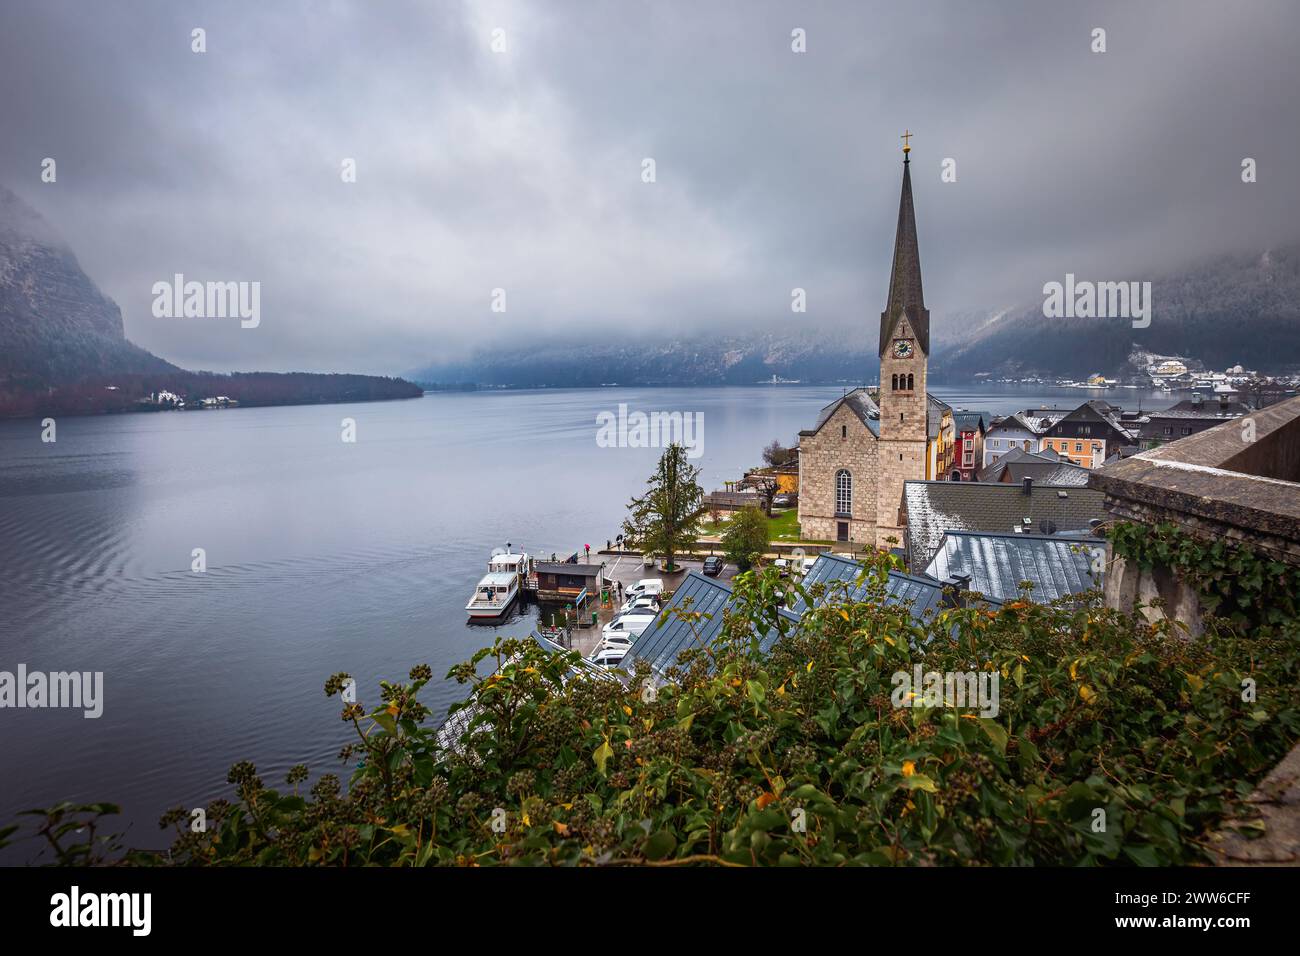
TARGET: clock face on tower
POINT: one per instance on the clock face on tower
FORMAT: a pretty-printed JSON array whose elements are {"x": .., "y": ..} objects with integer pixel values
[{"x": 902, "y": 348}]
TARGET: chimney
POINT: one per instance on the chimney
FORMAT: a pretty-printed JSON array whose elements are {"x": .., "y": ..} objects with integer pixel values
[
  {"x": 1027, "y": 485},
  {"x": 955, "y": 589}
]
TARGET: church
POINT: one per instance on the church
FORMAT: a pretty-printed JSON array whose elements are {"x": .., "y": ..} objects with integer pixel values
[{"x": 854, "y": 461}]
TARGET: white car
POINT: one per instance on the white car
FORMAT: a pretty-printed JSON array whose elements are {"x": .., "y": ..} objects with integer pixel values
[
  {"x": 638, "y": 611},
  {"x": 608, "y": 657},
  {"x": 644, "y": 587},
  {"x": 623, "y": 641},
  {"x": 648, "y": 603},
  {"x": 630, "y": 625},
  {"x": 808, "y": 564}
]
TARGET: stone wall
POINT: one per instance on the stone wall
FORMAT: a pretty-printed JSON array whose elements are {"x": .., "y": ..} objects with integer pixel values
[
  {"x": 842, "y": 442},
  {"x": 900, "y": 461},
  {"x": 1202, "y": 484}
]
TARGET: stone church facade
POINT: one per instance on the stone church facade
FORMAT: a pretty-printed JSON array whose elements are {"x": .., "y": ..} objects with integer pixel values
[{"x": 854, "y": 461}]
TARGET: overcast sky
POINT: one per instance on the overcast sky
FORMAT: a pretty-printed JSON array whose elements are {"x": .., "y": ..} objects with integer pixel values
[{"x": 522, "y": 170}]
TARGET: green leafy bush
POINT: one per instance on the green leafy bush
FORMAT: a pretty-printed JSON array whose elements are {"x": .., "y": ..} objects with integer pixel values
[
  {"x": 745, "y": 538},
  {"x": 799, "y": 756}
]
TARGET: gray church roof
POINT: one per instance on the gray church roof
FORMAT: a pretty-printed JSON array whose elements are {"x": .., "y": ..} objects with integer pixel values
[
  {"x": 905, "y": 293},
  {"x": 860, "y": 403},
  {"x": 997, "y": 563}
]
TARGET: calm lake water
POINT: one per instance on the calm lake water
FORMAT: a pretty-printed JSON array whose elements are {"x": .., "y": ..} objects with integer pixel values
[{"x": 322, "y": 557}]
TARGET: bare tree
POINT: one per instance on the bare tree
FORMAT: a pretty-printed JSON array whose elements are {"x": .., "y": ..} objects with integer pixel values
[
  {"x": 766, "y": 486},
  {"x": 777, "y": 454}
]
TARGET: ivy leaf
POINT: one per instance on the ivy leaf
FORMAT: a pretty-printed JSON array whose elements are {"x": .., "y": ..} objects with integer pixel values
[
  {"x": 919, "y": 781},
  {"x": 659, "y": 844},
  {"x": 996, "y": 734},
  {"x": 602, "y": 755},
  {"x": 1143, "y": 855}
]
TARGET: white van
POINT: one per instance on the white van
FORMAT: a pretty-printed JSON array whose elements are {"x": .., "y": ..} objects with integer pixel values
[{"x": 645, "y": 587}]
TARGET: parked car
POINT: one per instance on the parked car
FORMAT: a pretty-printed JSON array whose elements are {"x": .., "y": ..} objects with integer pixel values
[
  {"x": 783, "y": 501},
  {"x": 647, "y": 602},
  {"x": 646, "y": 586},
  {"x": 617, "y": 640},
  {"x": 632, "y": 624},
  {"x": 713, "y": 565},
  {"x": 608, "y": 657},
  {"x": 618, "y": 621},
  {"x": 648, "y": 561},
  {"x": 808, "y": 564}
]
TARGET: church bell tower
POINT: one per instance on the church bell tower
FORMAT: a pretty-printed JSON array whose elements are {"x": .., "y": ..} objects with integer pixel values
[{"x": 904, "y": 352}]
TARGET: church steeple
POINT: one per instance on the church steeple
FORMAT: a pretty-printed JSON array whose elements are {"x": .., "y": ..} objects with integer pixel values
[{"x": 905, "y": 295}]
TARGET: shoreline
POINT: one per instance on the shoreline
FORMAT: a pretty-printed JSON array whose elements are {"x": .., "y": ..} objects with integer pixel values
[{"x": 229, "y": 407}]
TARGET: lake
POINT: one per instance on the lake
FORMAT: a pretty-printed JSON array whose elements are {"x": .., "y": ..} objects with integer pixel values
[{"x": 322, "y": 556}]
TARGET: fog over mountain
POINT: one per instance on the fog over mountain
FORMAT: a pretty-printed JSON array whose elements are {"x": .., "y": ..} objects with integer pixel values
[
  {"x": 1225, "y": 311},
  {"x": 522, "y": 169},
  {"x": 55, "y": 323},
  {"x": 63, "y": 349}
]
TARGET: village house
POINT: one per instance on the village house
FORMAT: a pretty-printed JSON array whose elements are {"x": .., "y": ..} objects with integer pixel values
[
  {"x": 1186, "y": 418},
  {"x": 1046, "y": 467},
  {"x": 1023, "y": 430},
  {"x": 1089, "y": 435},
  {"x": 941, "y": 439},
  {"x": 971, "y": 430}
]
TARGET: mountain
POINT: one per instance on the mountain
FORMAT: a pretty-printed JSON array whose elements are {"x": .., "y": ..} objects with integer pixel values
[
  {"x": 56, "y": 327},
  {"x": 63, "y": 347},
  {"x": 1232, "y": 310},
  {"x": 701, "y": 360}
]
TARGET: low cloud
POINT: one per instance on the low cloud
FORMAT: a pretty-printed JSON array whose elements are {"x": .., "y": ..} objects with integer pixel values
[{"x": 522, "y": 170}]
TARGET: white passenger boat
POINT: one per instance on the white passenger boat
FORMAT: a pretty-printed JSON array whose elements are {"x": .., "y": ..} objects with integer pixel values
[{"x": 497, "y": 589}]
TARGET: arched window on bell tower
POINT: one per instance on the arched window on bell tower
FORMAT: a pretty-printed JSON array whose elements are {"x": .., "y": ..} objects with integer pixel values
[{"x": 909, "y": 381}]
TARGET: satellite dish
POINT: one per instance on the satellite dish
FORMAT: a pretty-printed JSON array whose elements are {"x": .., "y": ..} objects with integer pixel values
[{"x": 1047, "y": 527}]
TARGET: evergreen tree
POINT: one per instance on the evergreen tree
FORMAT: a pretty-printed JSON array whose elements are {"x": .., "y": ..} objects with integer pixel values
[{"x": 663, "y": 520}]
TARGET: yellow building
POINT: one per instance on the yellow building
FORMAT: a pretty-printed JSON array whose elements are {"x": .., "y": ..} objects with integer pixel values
[
  {"x": 787, "y": 478},
  {"x": 941, "y": 440}
]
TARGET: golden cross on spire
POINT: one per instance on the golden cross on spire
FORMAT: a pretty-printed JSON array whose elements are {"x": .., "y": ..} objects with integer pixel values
[{"x": 907, "y": 134}]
